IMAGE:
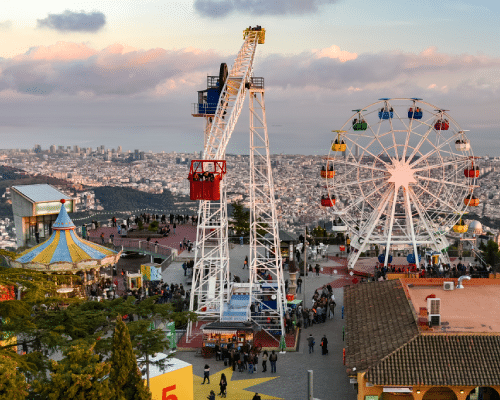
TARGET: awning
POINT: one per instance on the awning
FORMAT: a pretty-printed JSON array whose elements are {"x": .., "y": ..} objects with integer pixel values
[{"x": 219, "y": 332}]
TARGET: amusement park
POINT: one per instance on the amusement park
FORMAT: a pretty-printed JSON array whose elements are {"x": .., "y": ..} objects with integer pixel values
[{"x": 397, "y": 282}]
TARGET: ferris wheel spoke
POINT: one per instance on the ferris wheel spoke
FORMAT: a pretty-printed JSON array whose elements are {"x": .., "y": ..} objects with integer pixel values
[
  {"x": 450, "y": 206},
  {"x": 356, "y": 182},
  {"x": 362, "y": 199},
  {"x": 432, "y": 152},
  {"x": 426, "y": 219},
  {"x": 442, "y": 182},
  {"x": 365, "y": 149},
  {"x": 457, "y": 162},
  {"x": 376, "y": 137},
  {"x": 420, "y": 143},
  {"x": 359, "y": 165}
]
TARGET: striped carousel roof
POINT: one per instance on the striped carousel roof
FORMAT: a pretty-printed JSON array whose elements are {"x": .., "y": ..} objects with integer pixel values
[{"x": 65, "y": 246}]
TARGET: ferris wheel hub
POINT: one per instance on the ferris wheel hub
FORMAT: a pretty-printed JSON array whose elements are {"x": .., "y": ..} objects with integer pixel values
[{"x": 401, "y": 174}]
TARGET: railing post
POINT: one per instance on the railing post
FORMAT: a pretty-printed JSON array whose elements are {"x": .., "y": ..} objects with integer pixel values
[{"x": 310, "y": 384}]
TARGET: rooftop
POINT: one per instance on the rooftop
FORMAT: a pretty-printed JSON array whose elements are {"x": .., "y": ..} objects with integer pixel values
[
  {"x": 472, "y": 309},
  {"x": 41, "y": 192}
]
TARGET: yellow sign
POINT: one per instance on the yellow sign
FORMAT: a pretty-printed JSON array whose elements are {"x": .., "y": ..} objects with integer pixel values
[{"x": 173, "y": 385}]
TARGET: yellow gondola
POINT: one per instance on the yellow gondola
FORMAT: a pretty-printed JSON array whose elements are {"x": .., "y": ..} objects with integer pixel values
[{"x": 339, "y": 144}]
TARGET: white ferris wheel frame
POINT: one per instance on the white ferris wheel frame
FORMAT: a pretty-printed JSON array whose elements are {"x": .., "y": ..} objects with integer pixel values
[{"x": 403, "y": 181}]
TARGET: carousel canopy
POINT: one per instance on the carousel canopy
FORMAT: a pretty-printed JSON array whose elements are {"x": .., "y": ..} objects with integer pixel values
[{"x": 65, "y": 250}]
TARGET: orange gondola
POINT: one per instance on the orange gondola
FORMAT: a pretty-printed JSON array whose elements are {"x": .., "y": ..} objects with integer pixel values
[
  {"x": 471, "y": 201},
  {"x": 327, "y": 174}
]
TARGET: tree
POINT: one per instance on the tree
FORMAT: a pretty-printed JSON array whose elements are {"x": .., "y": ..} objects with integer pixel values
[
  {"x": 241, "y": 218},
  {"x": 491, "y": 254},
  {"x": 79, "y": 375},
  {"x": 13, "y": 384},
  {"x": 125, "y": 376}
]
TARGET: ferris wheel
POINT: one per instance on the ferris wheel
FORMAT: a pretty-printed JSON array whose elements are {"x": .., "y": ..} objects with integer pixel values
[{"x": 402, "y": 177}]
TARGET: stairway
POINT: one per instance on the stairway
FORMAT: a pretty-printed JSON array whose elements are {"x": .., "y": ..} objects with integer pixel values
[{"x": 237, "y": 310}]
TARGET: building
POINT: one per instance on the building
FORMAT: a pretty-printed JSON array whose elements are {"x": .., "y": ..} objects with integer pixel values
[
  {"x": 35, "y": 209},
  {"x": 423, "y": 339}
]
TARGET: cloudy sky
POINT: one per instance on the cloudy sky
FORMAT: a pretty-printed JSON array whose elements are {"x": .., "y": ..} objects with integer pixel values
[{"x": 121, "y": 72}]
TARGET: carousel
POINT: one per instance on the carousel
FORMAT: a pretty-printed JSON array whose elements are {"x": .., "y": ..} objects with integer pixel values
[{"x": 64, "y": 252}]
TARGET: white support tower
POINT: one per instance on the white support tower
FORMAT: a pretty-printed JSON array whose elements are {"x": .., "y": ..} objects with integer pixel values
[
  {"x": 265, "y": 253},
  {"x": 211, "y": 288}
]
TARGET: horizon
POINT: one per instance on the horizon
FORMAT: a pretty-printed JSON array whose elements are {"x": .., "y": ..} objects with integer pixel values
[{"x": 122, "y": 72}]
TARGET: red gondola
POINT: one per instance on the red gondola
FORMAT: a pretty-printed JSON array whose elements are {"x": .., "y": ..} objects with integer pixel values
[
  {"x": 442, "y": 125},
  {"x": 204, "y": 177},
  {"x": 472, "y": 172},
  {"x": 327, "y": 201}
]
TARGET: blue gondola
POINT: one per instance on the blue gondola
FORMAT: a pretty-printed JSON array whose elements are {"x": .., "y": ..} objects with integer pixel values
[
  {"x": 411, "y": 258},
  {"x": 381, "y": 258},
  {"x": 415, "y": 113},
  {"x": 384, "y": 113}
]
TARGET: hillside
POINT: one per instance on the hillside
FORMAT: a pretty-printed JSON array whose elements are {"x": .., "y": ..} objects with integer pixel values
[{"x": 128, "y": 199}]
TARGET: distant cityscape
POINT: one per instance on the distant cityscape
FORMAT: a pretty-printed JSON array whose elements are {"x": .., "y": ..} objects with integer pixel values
[{"x": 298, "y": 187}]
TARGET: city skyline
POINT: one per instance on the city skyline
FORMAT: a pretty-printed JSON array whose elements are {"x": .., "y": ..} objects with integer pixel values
[{"x": 75, "y": 72}]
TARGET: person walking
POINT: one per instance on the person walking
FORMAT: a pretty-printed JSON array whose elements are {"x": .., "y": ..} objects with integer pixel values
[
  {"x": 223, "y": 385},
  {"x": 206, "y": 374},
  {"x": 299, "y": 285},
  {"x": 256, "y": 397},
  {"x": 273, "y": 358},
  {"x": 324, "y": 345},
  {"x": 310, "y": 343},
  {"x": 264, "y": 361},
  {"x": 175, "y": 227},
  {"x": 211, "y": 396},
  {"x": 245, "y": 263}
]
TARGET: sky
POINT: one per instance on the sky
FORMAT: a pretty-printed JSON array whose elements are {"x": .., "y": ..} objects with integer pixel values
[{"x": 121, "y": 72}]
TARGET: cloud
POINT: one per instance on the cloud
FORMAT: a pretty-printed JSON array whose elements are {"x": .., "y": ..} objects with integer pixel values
[
  {"x": 222, "y": 8},
  {"x": 5, "y": 25},
  {"x": 333, "y": 69},
  {"x": 74, "y": 68},
  {"x": 335, "y": 52},
  {"x": 78, "y": 70},
  {"x": 70, "y": 21}
]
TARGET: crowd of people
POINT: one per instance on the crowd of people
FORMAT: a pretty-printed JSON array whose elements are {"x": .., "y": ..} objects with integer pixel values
[{"x": 440, "y": 270}]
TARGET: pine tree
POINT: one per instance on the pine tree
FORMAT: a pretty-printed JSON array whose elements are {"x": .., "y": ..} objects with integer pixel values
[
  {"x": 241, "y": 218},
  {"x": 13, "y": 384},
  {"x": 125, "y": 376},
  {"x": 79, "y": 376}
]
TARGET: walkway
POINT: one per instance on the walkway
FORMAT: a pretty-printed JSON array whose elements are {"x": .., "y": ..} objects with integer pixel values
[{"x": 290, "y": 381}]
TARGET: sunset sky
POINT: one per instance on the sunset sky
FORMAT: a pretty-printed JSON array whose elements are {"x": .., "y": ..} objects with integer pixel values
[{"x": 118, "y": 72}]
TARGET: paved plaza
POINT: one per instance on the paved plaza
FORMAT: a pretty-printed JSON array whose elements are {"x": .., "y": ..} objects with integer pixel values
[{"x": 290, "y": 381}]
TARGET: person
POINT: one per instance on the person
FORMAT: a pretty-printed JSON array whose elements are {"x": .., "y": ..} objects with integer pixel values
[
  {"x": 211, "y": 396},
  {"x": 206, "y": 374},
  {"x": 256, "y": 397},
  {"x": 217, "y": 352},
  {"x": 273, "y": 358},
  {"x": 299, "y": 285},
  {"x": 223, "y": 385},
  {"x": 102, "y": 238},
  {"x": 241, "y": 240},
  {"x": 264, "y": 361},
  {"x": 175, "y": 227},
  {"x": 245, "y": 263},
  {"x": 184, "y": 267},
  {"x": 310, "y": 343},
  {"x": 317, "y": 269},
  {"x": 324, "y": 345}
]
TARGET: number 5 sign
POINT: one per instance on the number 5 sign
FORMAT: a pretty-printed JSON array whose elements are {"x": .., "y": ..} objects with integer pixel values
[{"x": 167, "y": 396}]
